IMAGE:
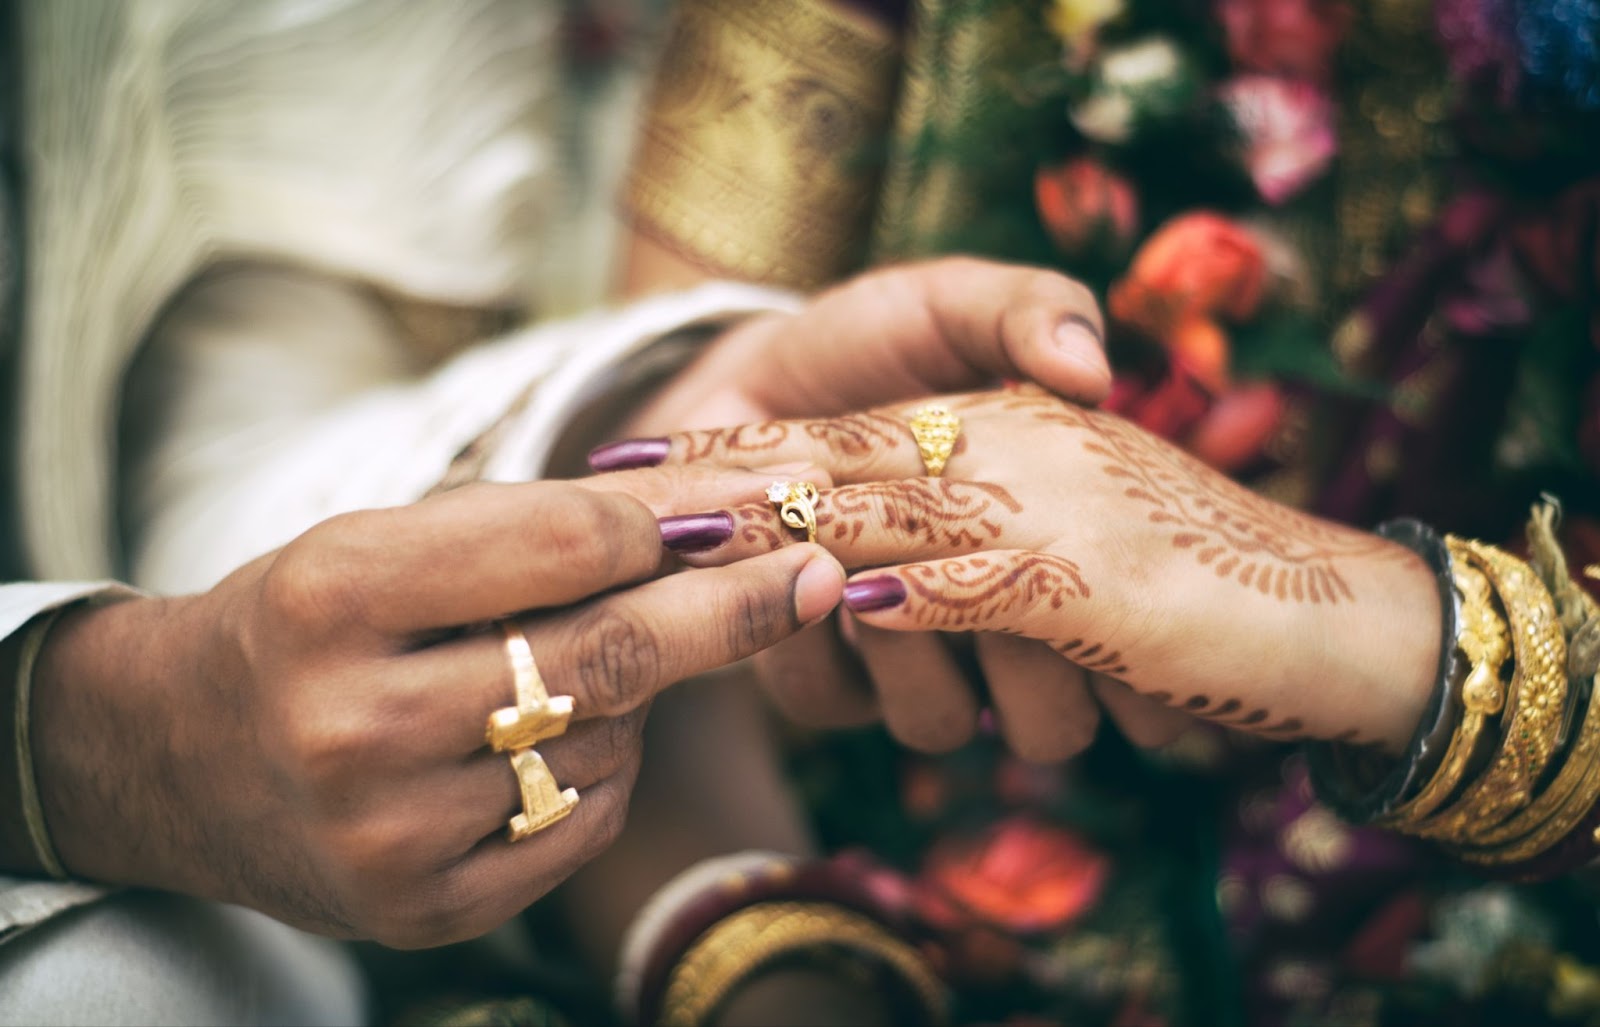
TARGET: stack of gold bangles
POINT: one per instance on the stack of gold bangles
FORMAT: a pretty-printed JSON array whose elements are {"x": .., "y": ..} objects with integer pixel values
[
  {"x": 1516, "y": 788},
  {"x": 537, "y": 717}
]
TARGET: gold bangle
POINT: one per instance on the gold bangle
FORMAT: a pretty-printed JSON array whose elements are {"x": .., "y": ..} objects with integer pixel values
[
  {"x": 738, "y": 946},
  {"x": 44, "y": 850},
  {"x": 1485, "y": 641},
  {"x": 753, "y": 158},
  {"x": 1532, "y": 718},
  {"x": 1561, "y": 806}
]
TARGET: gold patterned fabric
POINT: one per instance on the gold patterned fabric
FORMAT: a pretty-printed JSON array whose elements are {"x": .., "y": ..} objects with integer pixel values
[{"x": 757, "y": 155}]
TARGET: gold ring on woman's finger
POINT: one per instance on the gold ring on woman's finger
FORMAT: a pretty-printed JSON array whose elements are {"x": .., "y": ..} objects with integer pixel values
[
  {"x": 935, "y": 429},
  {"x": 797, "y": 505},
  {"x": 543, "y": 801},
  {"x": 537, "y": 716}
]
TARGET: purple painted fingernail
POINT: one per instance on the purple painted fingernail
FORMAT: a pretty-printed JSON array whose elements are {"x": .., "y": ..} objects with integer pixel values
[
  {"x": 695, "y": 533},
  {"x": 628, "y": 454},
  {"x": 870, "y": 594}
]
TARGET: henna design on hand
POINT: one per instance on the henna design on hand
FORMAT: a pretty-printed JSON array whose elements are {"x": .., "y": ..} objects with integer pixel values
[
  {"x": 968, "y": 594},
  {"x": 929, "y": 511},
  {"x": 1092, "y": 658},
  {"x": 856, "y": 435},
  {"x": 1242, "y": 536}
]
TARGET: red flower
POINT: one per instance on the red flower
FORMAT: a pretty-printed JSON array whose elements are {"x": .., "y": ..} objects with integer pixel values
[
  {"x": 1197, "y": 265},
  {"x": 1293, "y": 38},
  {"x": 1087, "y": 207},
  {"x": 1022, "y": 875}
]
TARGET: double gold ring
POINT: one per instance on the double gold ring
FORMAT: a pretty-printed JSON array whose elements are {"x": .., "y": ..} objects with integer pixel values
[
  {"x": 797, "y": 505},
  {"x": 935, "y": 430},
  {"x": 536, "y": 717}
]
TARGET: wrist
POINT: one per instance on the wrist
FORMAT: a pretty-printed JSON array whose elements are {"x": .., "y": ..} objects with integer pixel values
[
  {"x": 96, "y": 702},
  {"x": 1381, "y": 653}
]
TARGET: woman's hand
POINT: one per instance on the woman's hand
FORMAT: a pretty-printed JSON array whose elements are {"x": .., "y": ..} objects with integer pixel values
[
  {"x": 895, "y": 334},
  {"x": 1150, "y": 572},
  {"x": 907, "y": 331},
  {"x": 308, "y": 737}
]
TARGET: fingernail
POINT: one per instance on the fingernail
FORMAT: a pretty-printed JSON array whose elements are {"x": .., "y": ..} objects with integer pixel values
[
  {"x": 868, "y": 594},
  {"x": 628, "y": 454},
  {"x": 816, "y": 589},
  {"x": 1081, "y": 343},
  {"x": 1077, "y": 333},
  {"x": 696, "y": 533}
]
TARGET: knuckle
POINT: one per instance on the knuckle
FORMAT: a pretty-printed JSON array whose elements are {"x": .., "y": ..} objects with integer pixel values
[
  {"x": 620, "y": 661},
  {"x": 622, "y": 741},
  {"x": 610, "y": 820},
  {"x": 754, "y": 621},
  {"x": 315, "y": 580},
  {"x": 588, "y": 532}
]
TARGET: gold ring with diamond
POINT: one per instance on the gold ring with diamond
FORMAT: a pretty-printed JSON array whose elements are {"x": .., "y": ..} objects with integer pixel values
[
  {"x": 537, "y": 716},
  {"x": 797, "y": 505},
  {"x": 935, "y": 428}
]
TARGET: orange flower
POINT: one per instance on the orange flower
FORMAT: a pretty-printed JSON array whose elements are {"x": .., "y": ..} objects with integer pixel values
[
  {"x": 1085, "y": 207},
  {"x": 1197, "y": 265},
  {"x": 1022, "y": 875},
  {"x": 1199, "y": 346}
]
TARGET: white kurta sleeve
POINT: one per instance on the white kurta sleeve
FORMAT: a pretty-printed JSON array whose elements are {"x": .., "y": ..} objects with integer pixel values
[{"x": 271, "y": 400}]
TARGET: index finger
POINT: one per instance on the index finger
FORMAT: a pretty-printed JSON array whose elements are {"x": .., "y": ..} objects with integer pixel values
[{"x": 462, "y": 557}]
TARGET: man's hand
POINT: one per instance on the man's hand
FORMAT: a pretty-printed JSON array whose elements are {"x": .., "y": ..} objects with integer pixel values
[{"x": 308, "y": 738}]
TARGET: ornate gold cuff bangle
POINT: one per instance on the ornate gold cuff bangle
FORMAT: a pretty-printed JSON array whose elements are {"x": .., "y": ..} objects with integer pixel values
[
  {"x": 1532, "y": 719},
  {"x": 755, "y": 159},
  {"x": 739, "y": 946},
  {"x": 1561, "y": 806},
  {"x": 1486, "y": 643}
]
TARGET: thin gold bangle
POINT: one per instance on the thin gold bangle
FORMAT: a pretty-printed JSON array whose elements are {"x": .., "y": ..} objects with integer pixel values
[
  {"x": 44, "y": 849},
  {"x": 752, "y": 938}
]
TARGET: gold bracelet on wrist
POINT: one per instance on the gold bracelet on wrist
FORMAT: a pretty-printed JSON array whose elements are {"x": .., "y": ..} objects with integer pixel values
[
  {"x": 44, "y": 850},
  {"x": 754, "y": 157},
  {"x": 736, "y": 948},
  {"x": 1532, "y": 718},
  {"x": 1484, "y": 639},
  {"x": 1563, "y": 804}
]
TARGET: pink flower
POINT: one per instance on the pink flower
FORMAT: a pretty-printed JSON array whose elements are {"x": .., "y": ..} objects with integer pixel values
[
  {"x": 1023, "y": 875},
  {"x": 1238, "y": 426},
  {"x": 1087, "y": 207},
  {"x": 1287, "y": 129},
  {"x": 1296, "y": 38}
]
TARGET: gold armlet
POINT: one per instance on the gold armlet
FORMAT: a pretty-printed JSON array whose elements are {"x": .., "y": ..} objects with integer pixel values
[
  {"x": 742, "y": 944},
  {"x": 757, "y": 157},
  {"x": 1532, "y": 719}
]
